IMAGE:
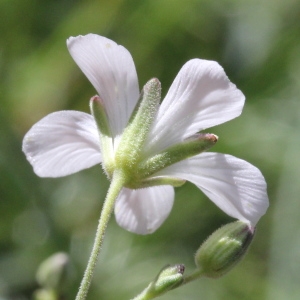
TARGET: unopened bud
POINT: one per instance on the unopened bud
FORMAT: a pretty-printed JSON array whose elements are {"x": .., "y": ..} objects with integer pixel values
[
  {"x": 224, "y": 249},
  {"x": 167, "y": 279},
  {"x": 53, "y": 272}
]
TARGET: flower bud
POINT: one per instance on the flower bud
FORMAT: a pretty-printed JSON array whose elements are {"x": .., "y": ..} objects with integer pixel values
[
  {"x": 167, "y": 279},
  {"x": 53, "y": 272},
  {"x": 224, "y": 249}
]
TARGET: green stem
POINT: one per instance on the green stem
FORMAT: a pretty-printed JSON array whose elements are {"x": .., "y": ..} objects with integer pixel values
[
  {"x": 107, "y": 209},
  {"x": 198, "y": 273},
  {"x": 143, "y": 295}
]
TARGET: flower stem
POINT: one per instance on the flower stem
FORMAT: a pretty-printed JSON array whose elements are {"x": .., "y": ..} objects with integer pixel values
[
  {"x": 108, "y": 206},
  {"x": 198, "y": 273},
  {"x": 143, "y": 295}
]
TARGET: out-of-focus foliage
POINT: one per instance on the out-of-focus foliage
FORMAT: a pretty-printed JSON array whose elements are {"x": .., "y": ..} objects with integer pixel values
[{"x": 257, "y": 43}]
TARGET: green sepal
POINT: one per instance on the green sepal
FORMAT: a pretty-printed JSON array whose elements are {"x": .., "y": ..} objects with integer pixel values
[
  {"x": 188, "y": 148},
  {"x": 106, "y": 140},
  {"x": 163, "y": 180},
  {"x": 224, "y": 249},
  {"x": 133, "y": 138}
]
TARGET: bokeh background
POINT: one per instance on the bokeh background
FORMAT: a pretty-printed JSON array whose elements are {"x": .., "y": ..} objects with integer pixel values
[{"x": 258, "y": 44}]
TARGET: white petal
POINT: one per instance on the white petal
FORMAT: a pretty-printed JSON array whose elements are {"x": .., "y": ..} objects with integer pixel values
[
  {"x": 62, "y": 143},
  {"x": 143, "y": 211},
  {"x": 110, "y": 68},
  {"x": 200, "y": 97},
  {"x": 234, "y": 185}
]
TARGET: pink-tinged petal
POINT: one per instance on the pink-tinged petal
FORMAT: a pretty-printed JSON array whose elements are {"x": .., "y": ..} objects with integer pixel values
[
  {"x": 62, "y": 143},
  {"x": 143, "y": 211},
  {"x": 200, "y": 97},
  {"x": 111, "y": 70},
  {"x": 234, "y": 185}
]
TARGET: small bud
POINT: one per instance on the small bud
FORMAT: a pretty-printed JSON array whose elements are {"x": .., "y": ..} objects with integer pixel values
[
  {"x": 54, "y": 272},
  {"x": 168, "y": 278},
  {"x": 224, "y": 249}
]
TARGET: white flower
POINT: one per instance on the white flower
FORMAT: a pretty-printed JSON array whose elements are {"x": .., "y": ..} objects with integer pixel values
[{"x": 200, "y": 97}]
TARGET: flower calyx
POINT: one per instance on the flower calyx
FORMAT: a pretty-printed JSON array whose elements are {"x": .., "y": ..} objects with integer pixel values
[
  {"x": 106, "y": 141},
  {"x": 128, "y": 158}
]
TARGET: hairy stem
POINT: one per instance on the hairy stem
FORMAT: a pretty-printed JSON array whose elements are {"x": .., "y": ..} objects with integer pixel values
[{"x": 108, "y": 206}]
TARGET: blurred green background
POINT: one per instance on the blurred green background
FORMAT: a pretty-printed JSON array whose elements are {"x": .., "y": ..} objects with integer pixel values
[{"x": 257, "y": 43}]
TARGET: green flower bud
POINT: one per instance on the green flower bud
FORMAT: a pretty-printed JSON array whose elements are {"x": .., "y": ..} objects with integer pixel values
[
  {"x": 168, "y": 278},
  {"x": 53, "y": 272},
  {"x": 224, "y": 249}
]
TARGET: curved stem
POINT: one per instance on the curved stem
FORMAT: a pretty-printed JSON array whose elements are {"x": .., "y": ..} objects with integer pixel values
[
  {"x": 143, "y": 295},
  {"x": 108, "y": 206}
]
